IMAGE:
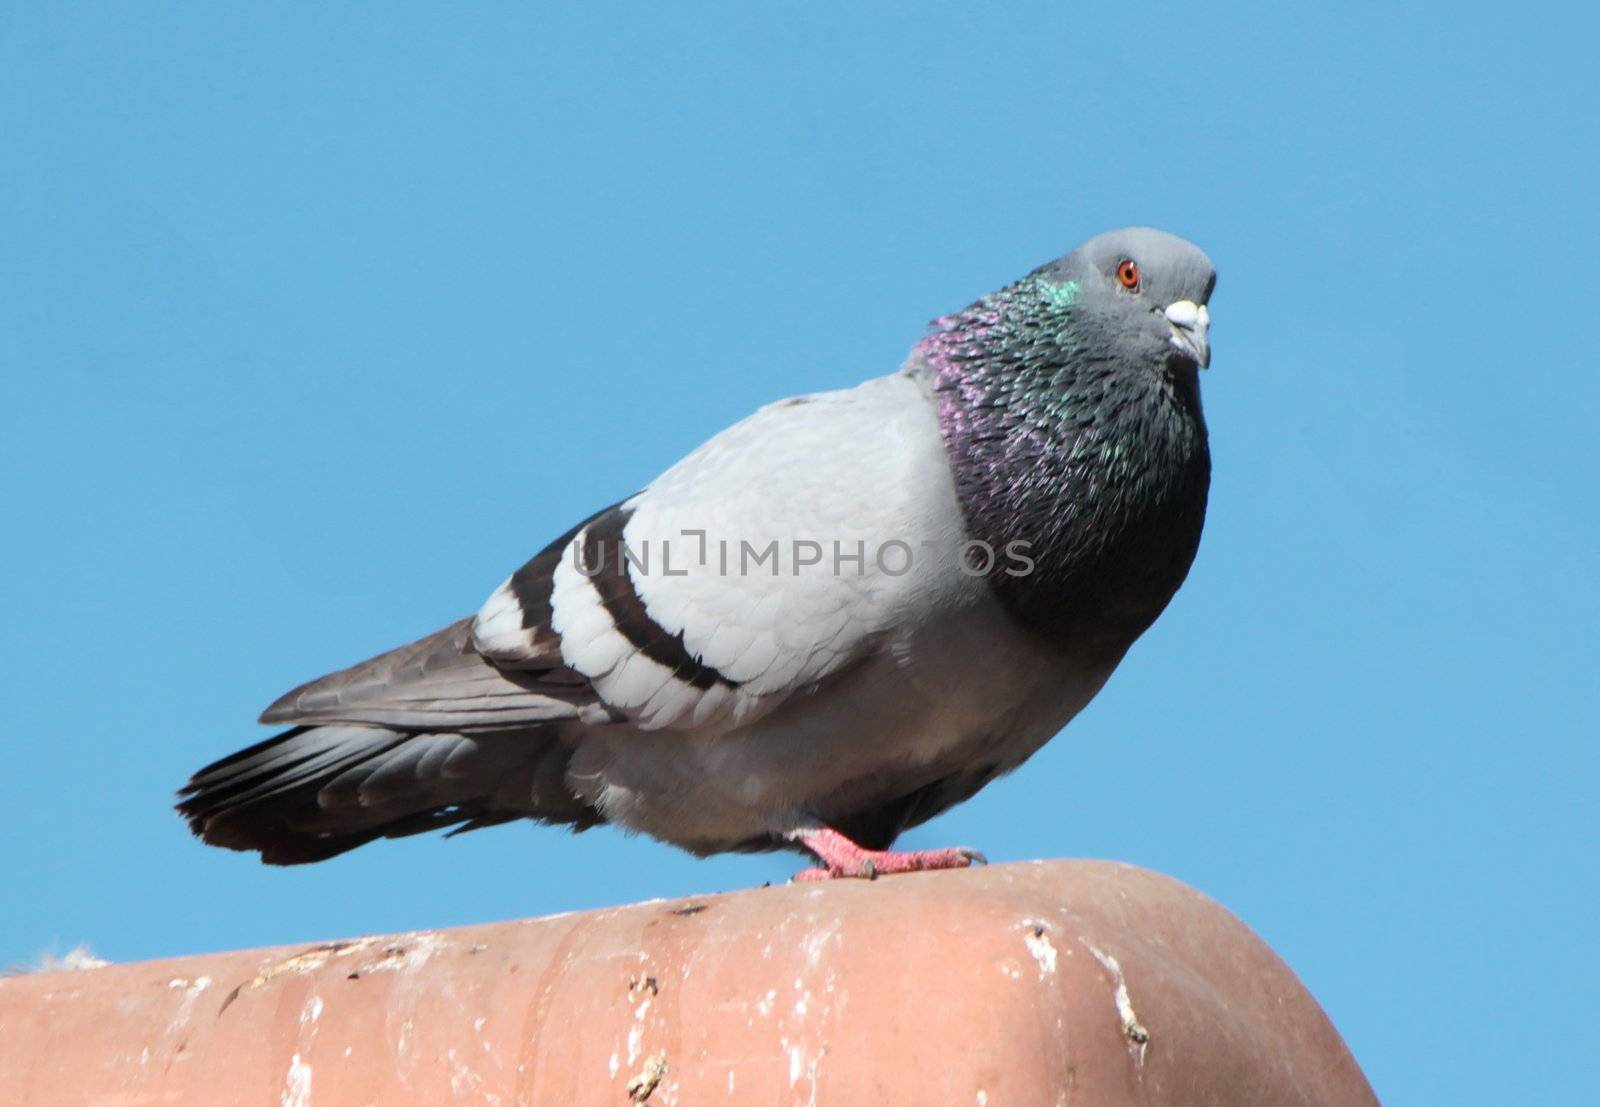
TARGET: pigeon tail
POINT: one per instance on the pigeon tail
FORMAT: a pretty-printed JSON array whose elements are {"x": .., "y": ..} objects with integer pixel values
[{"x": 315, "y": 792}]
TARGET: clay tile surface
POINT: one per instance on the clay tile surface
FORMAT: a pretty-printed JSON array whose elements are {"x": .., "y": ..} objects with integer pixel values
[{"x": 1037, "y": 984}]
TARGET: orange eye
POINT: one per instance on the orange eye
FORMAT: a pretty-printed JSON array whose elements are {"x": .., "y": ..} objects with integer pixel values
[{"x": 1128, "y": 274}]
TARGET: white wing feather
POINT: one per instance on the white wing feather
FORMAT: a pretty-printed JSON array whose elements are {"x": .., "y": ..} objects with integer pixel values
[{"x": 863, "y": 468}]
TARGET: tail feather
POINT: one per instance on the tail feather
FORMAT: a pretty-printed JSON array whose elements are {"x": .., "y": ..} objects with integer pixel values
[
  {"x": 393, "y": 779},
  {"x": 298, "y": 756},
  {"x": 314, "y": 792},
  {"x": 251, "y": 759}
]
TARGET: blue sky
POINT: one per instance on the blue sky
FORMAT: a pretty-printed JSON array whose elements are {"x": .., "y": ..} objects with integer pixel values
[{"x": 315, "y": 322}]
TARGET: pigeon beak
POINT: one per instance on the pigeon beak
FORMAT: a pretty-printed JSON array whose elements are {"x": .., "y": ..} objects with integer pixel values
[{"x": 1190, "y": 324}]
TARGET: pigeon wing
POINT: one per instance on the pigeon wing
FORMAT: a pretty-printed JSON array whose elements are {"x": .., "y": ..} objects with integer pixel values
[{"x": 773, "y": 557}]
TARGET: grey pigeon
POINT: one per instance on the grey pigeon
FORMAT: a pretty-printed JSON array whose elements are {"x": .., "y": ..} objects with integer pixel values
[{"x": 831, "y": 622}]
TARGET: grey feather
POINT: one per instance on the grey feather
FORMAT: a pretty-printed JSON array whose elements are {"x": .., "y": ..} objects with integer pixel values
[
  {"x": 440, "y": 680},
  {"x": 315, "y": 792}
]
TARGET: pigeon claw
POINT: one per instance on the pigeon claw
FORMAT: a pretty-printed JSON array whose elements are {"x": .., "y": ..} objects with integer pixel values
[{"x": 843, "y": 859}]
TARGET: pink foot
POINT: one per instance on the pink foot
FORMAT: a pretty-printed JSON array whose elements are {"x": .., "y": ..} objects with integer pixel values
[{"x": 842, "y": 858}]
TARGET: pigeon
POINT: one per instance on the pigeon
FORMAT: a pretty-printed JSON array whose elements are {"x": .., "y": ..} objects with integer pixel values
[{"x": 828, "y": 624}]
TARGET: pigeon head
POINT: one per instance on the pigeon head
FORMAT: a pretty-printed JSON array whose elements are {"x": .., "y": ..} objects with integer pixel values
[
  {"x": 1141, "y": 290},
  {"x": 1134, "y": 298}
]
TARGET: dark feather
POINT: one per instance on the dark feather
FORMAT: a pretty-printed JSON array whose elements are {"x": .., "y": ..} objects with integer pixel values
[{"x": 315, "y": 792}]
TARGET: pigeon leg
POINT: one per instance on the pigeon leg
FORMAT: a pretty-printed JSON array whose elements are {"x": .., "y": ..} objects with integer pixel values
[{"x": 843, "y": 858}]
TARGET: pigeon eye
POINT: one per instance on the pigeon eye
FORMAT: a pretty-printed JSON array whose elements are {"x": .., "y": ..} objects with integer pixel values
[{"x": 1128, "y": 274}]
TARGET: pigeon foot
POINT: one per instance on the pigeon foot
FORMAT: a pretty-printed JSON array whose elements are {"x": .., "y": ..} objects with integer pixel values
[{"x": 843, "y": 859}]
